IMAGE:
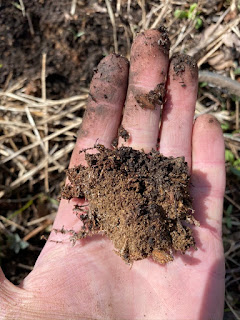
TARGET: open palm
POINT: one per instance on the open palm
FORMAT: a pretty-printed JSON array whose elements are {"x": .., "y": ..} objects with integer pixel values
[{"x": 88, "y": 280}]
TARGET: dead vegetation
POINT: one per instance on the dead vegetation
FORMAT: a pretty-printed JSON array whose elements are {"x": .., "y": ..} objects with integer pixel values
[{"x": 40, "y": 112}]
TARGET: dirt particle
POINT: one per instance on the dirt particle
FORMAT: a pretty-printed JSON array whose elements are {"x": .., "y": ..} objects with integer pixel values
[
  {"x": 164, "y": 41},
  {"x": 210, "y": 121},
  {"x": 161, "y": 256},
  {"x": 139, "y": 201},
  {"x": 153, "y": 98},
  {"x": 180, "y": 61},
  {"x": 123, "y": 133},
  {"x": 114, "y": 143}
]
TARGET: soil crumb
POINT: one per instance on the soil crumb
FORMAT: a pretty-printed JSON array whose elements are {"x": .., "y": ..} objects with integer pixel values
[
  {"x": 164, "y": 41},
  {"x": 153, "y": 98},
  {"x": 180, "y": 61},
  {"x": 123, "y": 133},
  {"x": 139, "y": 201}
]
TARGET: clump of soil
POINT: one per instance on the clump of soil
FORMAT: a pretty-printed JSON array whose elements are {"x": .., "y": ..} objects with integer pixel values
[
  {"x": 122, "y": 132},
  {"x": 140, "y": 201},
  {"x": 152, "y": 99},
  {"x": 181, "y": 60}
]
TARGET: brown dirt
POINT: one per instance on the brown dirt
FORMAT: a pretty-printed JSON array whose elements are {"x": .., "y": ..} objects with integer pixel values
[
  {"x": 74, "y": 44},
  {"x": 164, "y": 41},
  {"x": 123, "y": 133},
  {"x": 180, "y": 62},
  {"x": 140, "y": 201},
  {"x": 152, "y": 99}
]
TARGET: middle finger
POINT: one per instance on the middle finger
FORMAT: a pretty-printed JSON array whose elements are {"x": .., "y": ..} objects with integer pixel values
[{"x": 148, "y": 71}]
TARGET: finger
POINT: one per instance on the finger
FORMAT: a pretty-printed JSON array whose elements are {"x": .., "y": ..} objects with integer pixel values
[
  {"x": 148, "y": 69},
  {"x": 208, "y": 172},
  {"x": 105, "y": 103},
  {"x": 100, "y": 123},
  {"x": 177, "y": 118}
]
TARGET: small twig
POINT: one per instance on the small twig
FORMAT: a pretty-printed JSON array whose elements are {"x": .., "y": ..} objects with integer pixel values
[
  {"x": 161, "y": 15},
  {"x": 37, "y": 221},
  {"x": 30, "y": 24},
  {"x": 34, "y": 128},
  {"x": 118, "y": 6},
  {"x": 34, "y": 232},
  {"x": 210, "y": 53},
  {"x": 43, "y": 77},
  {"x": 143, "y": 7},
  {"x": 22, "y": 7},
  {"x": 128, "y": 7},
  {"x": 73, "y": 7},
  {"x": 12, "y": 223},
  {"x": 45, "y": 111},
  {"x": 223, "y": 82},
  {"x": 24, "y": 266},
  {"x": 40, "y": 105},
  {"x": 112, "y": 19},
  {"x": 232, "y": 201},
  {"x": 149, "y": 16}
]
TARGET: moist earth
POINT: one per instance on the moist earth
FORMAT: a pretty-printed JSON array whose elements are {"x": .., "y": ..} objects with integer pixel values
[{"x": 139, "y": 201}]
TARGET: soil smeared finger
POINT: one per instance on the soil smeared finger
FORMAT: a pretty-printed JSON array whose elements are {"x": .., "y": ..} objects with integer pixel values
[
  {"x": 149, "y": 62},
  {"x": 139, "y": 201},
  {"x": 180, "y": 61},
  {"x": 152, "y": 99},
  {"x": 183, "y": 64},
  {"x": 106, "y": 99}
]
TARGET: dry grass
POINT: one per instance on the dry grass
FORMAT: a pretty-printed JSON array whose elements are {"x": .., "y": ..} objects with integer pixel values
[{"x": 38, "y": 134}]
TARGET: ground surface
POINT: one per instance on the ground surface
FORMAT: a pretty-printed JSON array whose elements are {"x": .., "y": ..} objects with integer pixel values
[{"x": 74, "y": 41}]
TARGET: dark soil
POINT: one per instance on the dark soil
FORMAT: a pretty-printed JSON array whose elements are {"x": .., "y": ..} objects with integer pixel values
[
  {"x": 123, "y": 133},
  {"x": 74, "y": 44},
  {"x": 140, "y": 201},
  {"x": 180, "y": 61}
]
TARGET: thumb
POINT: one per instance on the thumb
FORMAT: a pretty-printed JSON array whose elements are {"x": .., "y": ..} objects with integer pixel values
[{"x": 10, "y": 298}]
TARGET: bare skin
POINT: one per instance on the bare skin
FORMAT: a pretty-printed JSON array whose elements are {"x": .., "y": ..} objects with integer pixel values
[{"x": 88, "y": 280}]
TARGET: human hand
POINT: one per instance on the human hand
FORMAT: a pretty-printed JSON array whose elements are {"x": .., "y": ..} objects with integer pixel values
[{"x": 88, "y": 280}]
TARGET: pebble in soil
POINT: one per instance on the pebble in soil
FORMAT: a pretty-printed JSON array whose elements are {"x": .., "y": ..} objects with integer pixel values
[{"x": 139, "y": 201}]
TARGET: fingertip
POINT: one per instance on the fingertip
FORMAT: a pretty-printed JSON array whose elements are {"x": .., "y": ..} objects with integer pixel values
[
  {"x": 178, "y": 111},
  {"x": 183, "y": 66},
  {"x": 209, "y": 120},
  {"x": 103, "y": 114},
  {"x": 157, "y": 38},
  {"x": 149, "y": 47},
  {"x": 208, "y": 159},
  {"x": 148, "y": 72},
  {"x": 111, "y": 72},
  {"x": 207, "y": 140}
]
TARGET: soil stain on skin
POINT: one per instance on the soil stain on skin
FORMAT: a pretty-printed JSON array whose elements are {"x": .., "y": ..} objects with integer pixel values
[
  {"x": 180, "y": 62},
  {"x": 123, "y": 133},
  {"x": 139, "y": 201},
  {"x": 164, "y": 41},
  {"x": 152, "y": 99}
]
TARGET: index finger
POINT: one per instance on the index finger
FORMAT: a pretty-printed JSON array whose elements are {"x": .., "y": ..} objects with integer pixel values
[{"x": 100, "y": 122}]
